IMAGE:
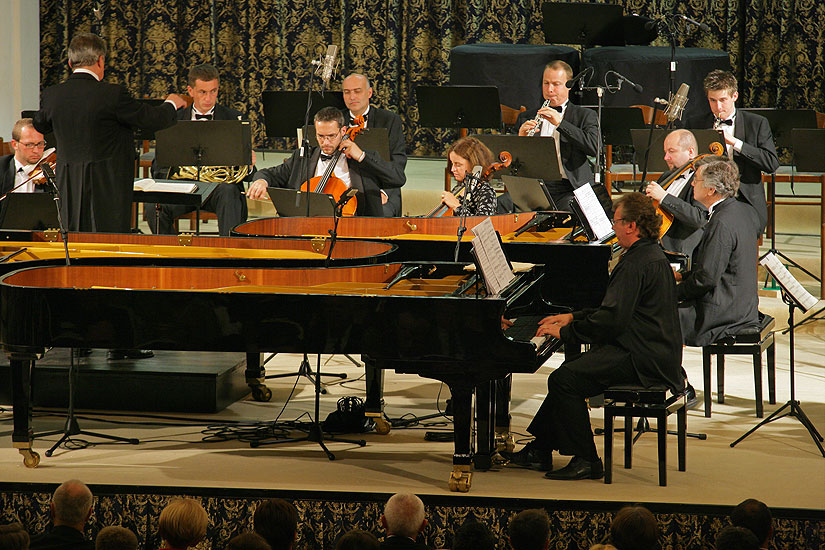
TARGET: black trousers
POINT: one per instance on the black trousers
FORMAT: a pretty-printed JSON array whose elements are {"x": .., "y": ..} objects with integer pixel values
[
  {"x": 562, "y": 423},
  {"x": 226, "y": 201}
]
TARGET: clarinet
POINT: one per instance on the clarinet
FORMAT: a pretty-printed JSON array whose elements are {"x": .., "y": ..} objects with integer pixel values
[{"x": 538, "y": 120}]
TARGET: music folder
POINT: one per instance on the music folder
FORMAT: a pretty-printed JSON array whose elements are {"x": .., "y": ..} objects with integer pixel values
[{"x": 291, "y": 202}]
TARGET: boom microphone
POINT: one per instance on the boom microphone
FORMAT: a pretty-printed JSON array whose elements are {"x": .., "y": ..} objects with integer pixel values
[
  {"x": 579, "y": 78},
  {"x": 676, "y": 103},
  {"x": 701, "y": 26}
]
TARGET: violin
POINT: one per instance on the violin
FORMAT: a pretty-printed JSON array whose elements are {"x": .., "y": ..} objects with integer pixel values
[
  {"x": 36, "y": 176},
  {"x": 443, "y": 210},
  {"x": 331, "y": 185}
]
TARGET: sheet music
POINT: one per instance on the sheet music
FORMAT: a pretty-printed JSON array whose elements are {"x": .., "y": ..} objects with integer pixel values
[
  {"x": 788, "y": 281},
  {"x": 593, "y": 211},
  {"x": 494, "y": 267},
  {"x": 148, "y": 184}
]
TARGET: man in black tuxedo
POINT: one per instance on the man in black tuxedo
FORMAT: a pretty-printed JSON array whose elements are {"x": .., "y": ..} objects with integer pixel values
[
  {"x": 93, "y": 125},
  {"x": 719, "y": 293},
  {"x": 389, "y": 175},
  {"x": 330, "y": 131},
  {"x": 70, "y": 509},
  {"x": 574, "y": 128},
  {"x": 689, "y": 215},
  {"x": 227, "y": 200},
  {"x": 747, "y": 135},
  {"x": 27, "y": 144},
  {"x": 403, "y": 520}
]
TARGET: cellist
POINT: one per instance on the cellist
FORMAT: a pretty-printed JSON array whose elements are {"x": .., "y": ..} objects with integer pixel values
[
  {"x": 477, "y": 197},
  {"x": 674, "y": 193},
  {"x": 331, "y": 134}
]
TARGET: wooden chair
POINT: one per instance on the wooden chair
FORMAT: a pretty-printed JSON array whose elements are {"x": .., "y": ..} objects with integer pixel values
[
  {"x": 5, "y": 148},
  {"x": 647, "y": 113}
]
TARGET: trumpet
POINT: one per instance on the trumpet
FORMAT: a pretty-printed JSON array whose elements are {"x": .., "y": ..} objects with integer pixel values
[{"x": 538, "y": 120}]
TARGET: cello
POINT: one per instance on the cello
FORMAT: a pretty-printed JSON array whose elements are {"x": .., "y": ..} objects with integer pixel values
[
  {"x": 331, "y": 185},
  {"x": 443, "y": 210}
]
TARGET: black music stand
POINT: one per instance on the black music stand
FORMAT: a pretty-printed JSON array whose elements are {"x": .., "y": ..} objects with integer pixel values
[
  {"x": 528, "y": 194},
  {"x": 284, "y": 111},
  {"x": 585, "y": 24},
  {"x": 794, "y": 407},
  {"x": 616, "y": 125},
  {"x": 31, "y": 211},
  {"x": 291, "y": 202},
  {"x": 458, "y": 106},
  {"x": 533, "y": 157},
  {"x": 656, "y": 163}
]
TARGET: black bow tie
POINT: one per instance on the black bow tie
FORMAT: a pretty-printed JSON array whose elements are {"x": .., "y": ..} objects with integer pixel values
[
  {"x": 326, "y": 157},
  {"x": 720, "y": 122},
  {"x": 204, "y": 117},
  {"x": 559, "y": 108}
]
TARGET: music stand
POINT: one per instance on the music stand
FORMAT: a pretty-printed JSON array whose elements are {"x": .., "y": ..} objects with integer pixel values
[
  {"x": 528, "y": 194},
  {"x": 585, "y": 24},
  {"x": 616, "y": 125},
  {"x": 291, "y": 202},
  {"x": 795, "y": 298},
  {"x": 31, "y": 211},
  {"x": 533, "y": 157},
  {"x": 656, "y": 163},
  {"x": 458, "y": 106},
  {"x": 284, "y": 111}
]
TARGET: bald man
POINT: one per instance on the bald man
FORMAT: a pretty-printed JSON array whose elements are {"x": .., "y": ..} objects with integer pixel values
[
  {"x": 403, "y": 520},
  {"x": 70, "y": 509}
]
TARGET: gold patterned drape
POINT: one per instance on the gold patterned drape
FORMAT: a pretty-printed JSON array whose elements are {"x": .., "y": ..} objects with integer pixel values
[{"x": 775, "y": 46}]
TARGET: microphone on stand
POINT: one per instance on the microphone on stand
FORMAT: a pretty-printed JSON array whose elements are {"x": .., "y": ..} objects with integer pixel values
[
  {"x": 632, "y": 84},
  {"x": 346, "y": 196},
  {"x": 579, "y": 78},
  {"x": 49, "y": 174},
  {"x": 701, "y": 26},
  {"x": 676, "y": 103},
  {"x": 327, "y": 65}
]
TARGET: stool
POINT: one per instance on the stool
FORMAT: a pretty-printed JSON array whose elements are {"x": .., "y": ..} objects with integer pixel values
[
  {"x": 631, "y": 401},
  {"x": 746, "y": 343}
]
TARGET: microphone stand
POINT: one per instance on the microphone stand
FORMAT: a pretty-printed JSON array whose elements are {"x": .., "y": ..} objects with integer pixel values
[
  {"x": 336, "y": 216},
  {"x": 64, "y": 233},
  {"x": 469, "y": 189},
  {"x": 304, "y": 144}
]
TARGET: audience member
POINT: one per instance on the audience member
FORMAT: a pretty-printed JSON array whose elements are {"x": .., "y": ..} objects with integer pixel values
[
  {"x": 248, "y": 541},
  {"x": 70, "y": 508},
  {"x": 357, "y": 539},
  {"x": 601, "y": 546},
  {"x": 756, "y": 516},
  {"x": 634, "y": 528},
  {"x": 116, "y": 537},
  {"x": 473, "y": 535},
  {"x": 13, "y": 537},
  {"x": 182, "y": 524},
  {"x": 276, "y": 520},
  {"x": 403, "y": 519},
  {"x": 736, "y": 538},
  {"x": 530, "y": 530}
]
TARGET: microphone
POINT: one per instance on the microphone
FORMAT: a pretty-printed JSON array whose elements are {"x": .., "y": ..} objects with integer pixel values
[
  {"x": 476, "y": 175},
  {"x": 579, "y": 78},
  {"x": 652, "y": 24},
  {"x": 632, "y": 84},
  {"x": 49, "y": 173},
  {"x": 702, "y": 26},
  {"x": 346, "y": 196},
  {"x": 676, "y": 103},
  {"x": 329, "y": 64}
]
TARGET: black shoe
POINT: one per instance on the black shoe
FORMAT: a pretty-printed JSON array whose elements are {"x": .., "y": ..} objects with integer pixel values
[
  {"x": 692, "y": 399},
  {"x": 115, "y": 354},
  {"x": 531, "y": 456},
  {"x": 579, "y": 468}
]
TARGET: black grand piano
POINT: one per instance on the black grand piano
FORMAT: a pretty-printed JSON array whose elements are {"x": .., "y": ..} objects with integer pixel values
[{"x": 438, "y": 324}]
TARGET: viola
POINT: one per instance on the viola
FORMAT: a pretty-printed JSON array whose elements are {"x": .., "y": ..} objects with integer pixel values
[
  {"x": 443, "y": 210},
  {"x": 36, "y": 176},
  {"x": 331, "y": 185}
]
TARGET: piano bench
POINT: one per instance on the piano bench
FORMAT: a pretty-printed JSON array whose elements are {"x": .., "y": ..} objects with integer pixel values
[
  {"x": 751, "y": 343},
  {"x": 637, "y": 401}
]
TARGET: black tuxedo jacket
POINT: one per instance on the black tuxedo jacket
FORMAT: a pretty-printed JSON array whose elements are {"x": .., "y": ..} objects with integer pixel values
[
  {"x": 578, "y": 139},
  {"x": 388, "y": 176},
  {"x": 758, "y": 155},
  {"x": 61, "y": 538},
  {"x": 290, "y": 175},
  {"x": 8, "y": 171},
  {"x": 92, "y": 123},
  {"x": 689, "y": 217}
]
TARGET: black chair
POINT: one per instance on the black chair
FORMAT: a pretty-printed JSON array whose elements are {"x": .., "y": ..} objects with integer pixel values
[
  {"x": 631, "y": 401},
  {"x": 747, "y": 343}
]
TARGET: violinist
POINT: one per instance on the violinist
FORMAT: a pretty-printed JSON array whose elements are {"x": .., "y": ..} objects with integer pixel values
[
  {"x": 477, "y": 197},
  {"x": 331, "y": 134},
  {"x": 689, "y": 215},
  {"x": 15, "y": 170}
]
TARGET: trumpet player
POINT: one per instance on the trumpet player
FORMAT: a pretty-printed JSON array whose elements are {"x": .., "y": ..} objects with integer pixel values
[{"x": 574, "y": 128}]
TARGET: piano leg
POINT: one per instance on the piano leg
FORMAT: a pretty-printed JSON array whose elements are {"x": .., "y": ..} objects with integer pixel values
[
  {"x": 503, "y": 438},
  {"x": 485, "y": 412},
  {"x": 255, "y": 378},
  {"x": 21, "y": 374},
  {"x": 374, "y": 404},
  {"x": 460, "y": 478}
]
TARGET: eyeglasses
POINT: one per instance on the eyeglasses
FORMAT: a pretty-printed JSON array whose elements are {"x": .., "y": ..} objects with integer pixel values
[
  {"x": 34, "y": 145},
  {"x": 614, "y": 220}
]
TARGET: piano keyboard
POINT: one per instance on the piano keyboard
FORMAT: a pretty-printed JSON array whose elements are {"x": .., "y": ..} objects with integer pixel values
[{"x": 524, "y": 330}]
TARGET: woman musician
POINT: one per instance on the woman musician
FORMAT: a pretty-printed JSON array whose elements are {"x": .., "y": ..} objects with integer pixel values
[{"x": 477, "y": 197}]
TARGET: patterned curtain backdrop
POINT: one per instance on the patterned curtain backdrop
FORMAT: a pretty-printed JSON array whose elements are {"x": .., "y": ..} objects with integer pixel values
[{"x": 258, "y": 45}]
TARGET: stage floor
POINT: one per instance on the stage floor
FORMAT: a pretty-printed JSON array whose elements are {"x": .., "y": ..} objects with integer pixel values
[{"x": 778, "y": 464}]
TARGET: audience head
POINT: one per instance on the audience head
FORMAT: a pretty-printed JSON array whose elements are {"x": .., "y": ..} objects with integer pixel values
[
  {"x": 716, "y": 178},
  {"x": 183, "y": 523},
  {"x": 530, "y": 530},
  {"x": 71, "y": 504},
  {"x": 403, "y": 515},
  {"x": 276, "y": 520},
  {"x": 634, "y": 528},
  {"x": 756, "y": 516},
  {"x": 13, "y": 537},
  {"x": 357, "y": 540},
  {"x": 736, "y": 538},
  {"x": 635, "y": 217},
  {"x": 87, "y": 50},
  {"x": 467, "y": 153},
  {"x": 473, "y": 535},
  {"x": 248, "y": 541},
  {"x": 116, "y": 537}
]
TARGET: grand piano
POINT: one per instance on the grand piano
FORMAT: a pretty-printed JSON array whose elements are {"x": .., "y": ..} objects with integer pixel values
[{"x": 439, "y": 324}]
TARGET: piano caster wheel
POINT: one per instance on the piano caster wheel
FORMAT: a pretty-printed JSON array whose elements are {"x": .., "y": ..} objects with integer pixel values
[
  {"x": 505, "y": 442},
  {"x": 382, "y": 427},
  {"x": 460, "y": 479},
  {"x": 30, "y": 458},
  {"x": 261, "y": 393}
]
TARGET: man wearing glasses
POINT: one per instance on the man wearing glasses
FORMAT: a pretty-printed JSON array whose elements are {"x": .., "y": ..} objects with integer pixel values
[{"x": 28, "y": 145}]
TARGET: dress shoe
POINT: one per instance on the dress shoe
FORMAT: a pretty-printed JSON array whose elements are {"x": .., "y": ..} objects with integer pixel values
[
  {"x": 579, "y": 468},
  {"x": 692, "y": 399},
  {"x": 530, "y": 456},
  {"x": 115, "y": 354}
]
